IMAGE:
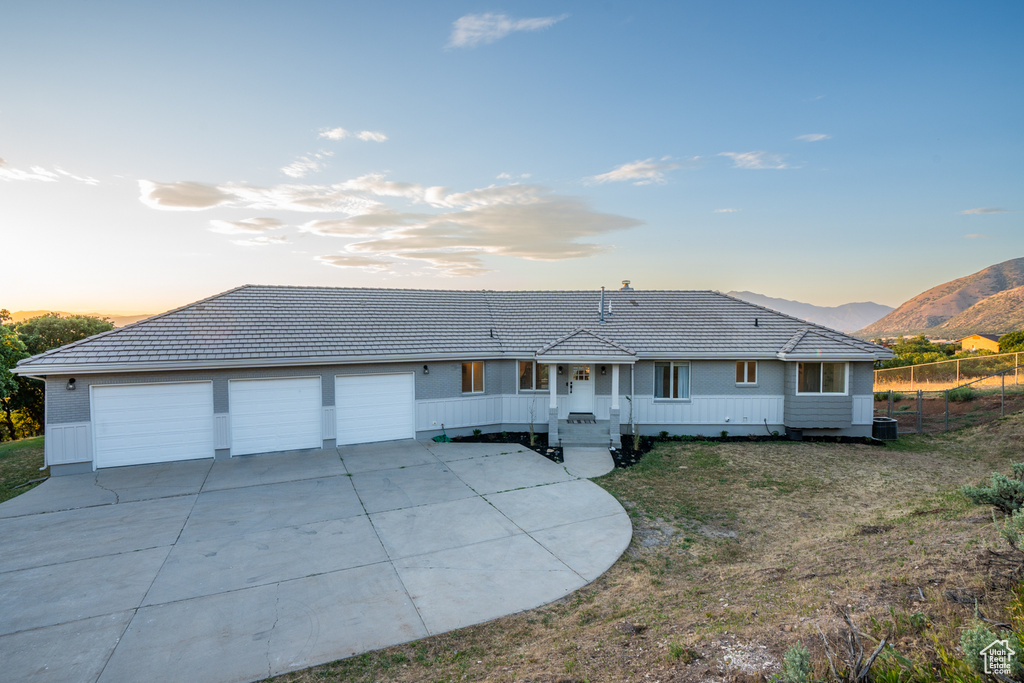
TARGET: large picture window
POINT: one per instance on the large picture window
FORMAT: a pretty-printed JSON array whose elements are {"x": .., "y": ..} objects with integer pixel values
[
  {"x": 473, "y": 377},
  {"x": 821, "y": 378},
  {"x": 533, "y": 376},
  {"x": 672, "y": 380}
]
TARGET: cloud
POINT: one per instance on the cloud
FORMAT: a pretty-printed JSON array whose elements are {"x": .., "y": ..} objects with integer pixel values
[
  {"x": 305, "y": 165},
  {"x": 40, "y": 174},
  {"x": 247, "y": 226},
  {"x": 337, "y": 134},
  {"x": 509, "y": 176},
  {"x": 977, "y": 236},
  {"x": 480, "y": 29},
  {"x": 389, "y": 220},
  {"x": 371, "y": 136},
  {"x": 182, "y": 195},
  {"x": 727, "y": 211},
  {"x": 756, "y": 160},
  {"x": 334, "y": 133},
  {"x": 261, "y": 241},
  {"x": 813, "y": 137},
  {"x": 985, "y": 210},
  {"x": 346, "y": 260},
  {"x": 646, "y": 172}
]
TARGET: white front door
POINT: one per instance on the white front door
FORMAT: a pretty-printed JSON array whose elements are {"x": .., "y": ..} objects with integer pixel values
[{"x": 581, "y": 389}]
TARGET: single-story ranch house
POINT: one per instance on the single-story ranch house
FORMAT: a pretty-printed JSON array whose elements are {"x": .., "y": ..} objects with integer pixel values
[{"x": 262, "y": 369}]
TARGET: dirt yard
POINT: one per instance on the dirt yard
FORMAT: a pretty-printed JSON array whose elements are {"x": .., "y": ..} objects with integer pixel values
[
  {"x": 741, "y": 550},
  {"x": 981, "y": 409}
]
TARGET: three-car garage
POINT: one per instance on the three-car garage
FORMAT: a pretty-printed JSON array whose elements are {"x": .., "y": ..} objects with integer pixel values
[{"x": 146, "y": 423}]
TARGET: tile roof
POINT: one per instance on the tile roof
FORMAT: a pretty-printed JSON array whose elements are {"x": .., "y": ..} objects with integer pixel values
[
  {"x": 581, "y": 343},
  {"x": 256, "y": 323}
]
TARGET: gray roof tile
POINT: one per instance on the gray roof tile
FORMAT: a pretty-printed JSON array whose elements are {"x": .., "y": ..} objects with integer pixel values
[{"x": 310, "y": 323}]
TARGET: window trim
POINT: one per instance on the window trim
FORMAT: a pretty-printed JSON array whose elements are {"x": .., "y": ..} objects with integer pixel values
[
  {"x": 536, "y": 377},
  {"x": 672, "y": 365},
  {"x": 822, "y": 363},
  {"x": 472, "y": 376},
  {"x": 746, "y": 366}
]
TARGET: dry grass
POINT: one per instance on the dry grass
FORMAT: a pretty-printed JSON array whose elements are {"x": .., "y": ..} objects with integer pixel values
[{"x": 739, "y": 551}]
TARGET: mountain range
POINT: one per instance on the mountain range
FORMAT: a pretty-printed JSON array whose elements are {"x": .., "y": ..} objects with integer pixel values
[
  {"x": 848, "y": 317},
  {"x": 990, "y": 301}
]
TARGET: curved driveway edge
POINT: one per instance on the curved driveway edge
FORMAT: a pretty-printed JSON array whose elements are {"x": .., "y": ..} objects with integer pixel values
[{"x": 239, "y": 569}]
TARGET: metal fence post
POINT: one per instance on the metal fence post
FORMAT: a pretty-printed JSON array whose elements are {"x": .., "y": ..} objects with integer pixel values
[
  {"x": 958, "y": 371},
  {"x": 1002, "y": 396},
  {"x": 921, "y": 409},
  {"x": 889, "y": 414},
  {"x": 911, "y": 377},
  {"x": 945, "y": 426}
]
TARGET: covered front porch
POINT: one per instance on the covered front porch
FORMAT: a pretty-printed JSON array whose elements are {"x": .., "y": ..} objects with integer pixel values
[{"x": 585, "y": 382}]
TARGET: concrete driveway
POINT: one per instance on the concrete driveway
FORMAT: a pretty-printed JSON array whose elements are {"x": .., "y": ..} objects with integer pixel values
[{"x": 239, "y": 569}]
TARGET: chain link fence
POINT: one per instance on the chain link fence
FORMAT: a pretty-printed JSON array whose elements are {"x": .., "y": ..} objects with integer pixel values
[
  {"x": 981, "y": 371},
  {"x": 930, "y": 411}
]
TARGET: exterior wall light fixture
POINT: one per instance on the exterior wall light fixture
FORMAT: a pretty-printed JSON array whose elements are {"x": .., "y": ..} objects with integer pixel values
[
  {"x": 71, "y": 384},
  {"x": 426, "y": 370}
]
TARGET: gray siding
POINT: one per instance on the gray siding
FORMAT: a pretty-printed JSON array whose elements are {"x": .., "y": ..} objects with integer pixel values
[
  {"x": 717, "y": 378},
  {"x": 816, "y": 411},
  {"x": 862, "y": 378}
]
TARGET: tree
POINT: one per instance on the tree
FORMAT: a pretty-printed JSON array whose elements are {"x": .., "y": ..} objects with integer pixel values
[
  {"x": 41, "y": 334},
  {"x": 1014, "y": 341},
  {"x": 11, "y": 351}
]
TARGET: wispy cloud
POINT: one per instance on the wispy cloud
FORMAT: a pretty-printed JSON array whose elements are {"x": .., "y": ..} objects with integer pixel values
[
  {"x": 480, "y": 29},
  {"x": 726, "y": 210},
  {"x": 509, "y": 176},
  {"x": 337, "y": 134},
  {"x": 40, "y": 174},
  {"x": 347, "y": 260},
  {"x": 387, "y": 222},
  {"x": 813, "y": 137},
  {"x": 181, "y": 196},
  {"x": 305, "y": 165},
  {"x": 645, "y": 172},
  {"x": 984, "y": 210},
  {"x": 756, "y": 160},
  {"x": 246, "y": 226},
  {"x": 977, "y": 236},
  {"x": 261, "y": 241}
]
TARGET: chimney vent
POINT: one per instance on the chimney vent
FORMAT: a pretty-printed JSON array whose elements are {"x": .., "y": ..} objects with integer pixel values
[{"x": 625, "y": 286}]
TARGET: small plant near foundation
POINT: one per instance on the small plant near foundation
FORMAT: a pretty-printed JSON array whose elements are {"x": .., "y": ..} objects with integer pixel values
[
  {"x": 477, "y": 432},
  {"x": 725, "y": 433}
]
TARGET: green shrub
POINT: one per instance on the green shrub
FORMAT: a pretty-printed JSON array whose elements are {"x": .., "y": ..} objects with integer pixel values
[
  {"x": 1002, "y": 492},
  {"x": 796, "y": 665},
  {"x": 477, "y": 432},
  {"x": 978, "y": 637},
  {"x": 961, "y": 394},
  {"x": 1013, "y": 530}
]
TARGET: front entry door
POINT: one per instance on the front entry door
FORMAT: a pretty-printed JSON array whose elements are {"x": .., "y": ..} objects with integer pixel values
[{"x": 581, "y": 390}]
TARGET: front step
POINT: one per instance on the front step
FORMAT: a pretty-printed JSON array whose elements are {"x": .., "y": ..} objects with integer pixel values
[{"x": 584, "y": 433}]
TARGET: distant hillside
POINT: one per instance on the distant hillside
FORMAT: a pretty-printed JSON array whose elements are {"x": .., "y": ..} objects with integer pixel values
[
  {"x": 944, "y": 310},
  {"x": 998, "y": 314},
  {"x": 846, "y": 318},
  {"x": 118, "y": 320}
]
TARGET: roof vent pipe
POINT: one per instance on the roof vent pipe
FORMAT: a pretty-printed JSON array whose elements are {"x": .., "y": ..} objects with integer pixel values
[
  {"x": 602, "y": 303},
  {"x": 625, "y": 286},
  {"x": 755, "y": 322}
]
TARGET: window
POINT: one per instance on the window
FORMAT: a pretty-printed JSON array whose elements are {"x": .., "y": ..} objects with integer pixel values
[
  {"x": 671, "y": 380},
  {"x": 746, "y": 372},
  {"x": 473, "y": 377},
  {"x": 533, "y": 376},
  {"x": 821, "y": 378}
]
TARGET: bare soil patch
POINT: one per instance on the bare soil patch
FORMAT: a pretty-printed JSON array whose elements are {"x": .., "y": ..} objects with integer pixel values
[{"x": 740, "y": 550}]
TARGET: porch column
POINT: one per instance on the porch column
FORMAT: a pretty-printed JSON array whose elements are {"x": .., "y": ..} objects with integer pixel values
[
  {"x": 614, "y": 429},
  {"x": 553, "y": 405}
]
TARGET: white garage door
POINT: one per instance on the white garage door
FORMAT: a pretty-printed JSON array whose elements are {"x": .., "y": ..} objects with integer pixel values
[
  {"x": 374, "y": 408},
  {"x": 145, "y": 423},
  {"x": 275, "y": 414}
]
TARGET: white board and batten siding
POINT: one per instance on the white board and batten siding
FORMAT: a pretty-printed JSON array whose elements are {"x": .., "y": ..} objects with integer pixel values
[
  {"x": 379, "y": 407},
  {"x": 279, "y": 414},
  {"x": 135, "y": 424},
  {"x": 709, "y": 410}
]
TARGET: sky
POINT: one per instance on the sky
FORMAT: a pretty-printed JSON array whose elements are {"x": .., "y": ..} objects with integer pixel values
[{"x": 153, "y": 154}]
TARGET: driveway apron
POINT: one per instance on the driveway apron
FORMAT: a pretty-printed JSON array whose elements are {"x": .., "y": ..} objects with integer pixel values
[{"x": 240, "y": 569}]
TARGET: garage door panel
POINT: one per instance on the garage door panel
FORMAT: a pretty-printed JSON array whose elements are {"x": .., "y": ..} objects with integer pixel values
[
  {"x": 150, "y": 423},
  {"x": 374, "y": 408},
  {"x": 275, "y": 414}
]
